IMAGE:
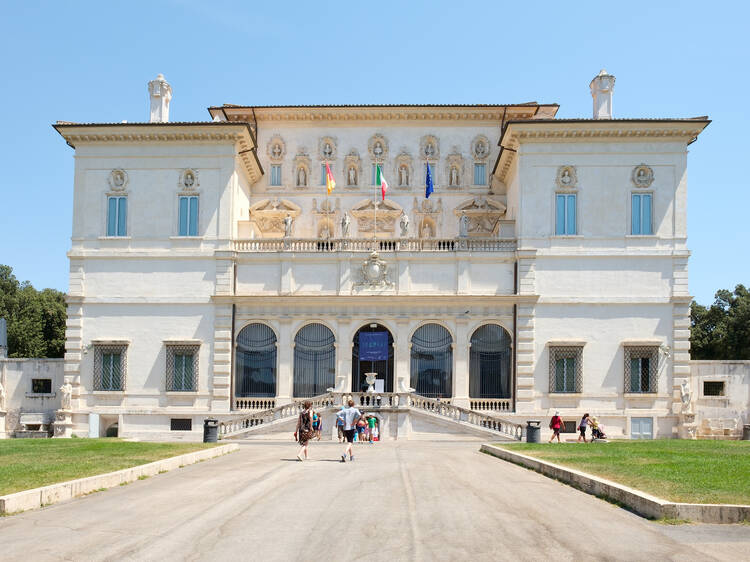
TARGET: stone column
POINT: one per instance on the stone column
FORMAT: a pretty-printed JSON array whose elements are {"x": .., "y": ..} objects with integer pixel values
[
  {"x": 401, "y": 355},
  {"x": 63, "y": 426},
  {"x": 285, "y": 373},
  {"x": 344, "y": 346}
]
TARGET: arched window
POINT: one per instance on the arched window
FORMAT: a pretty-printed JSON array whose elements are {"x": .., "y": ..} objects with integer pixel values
[
  {"x": 314, "y": 361},
  {"x": 256, "y": 362},
  {"x": 489, "y": 363},
  {"x": 432, "y": 361}
]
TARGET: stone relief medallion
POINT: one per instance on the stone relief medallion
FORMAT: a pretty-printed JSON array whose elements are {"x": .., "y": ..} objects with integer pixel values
[
  {"x": 429, "y": 148},
  {"x": 480, "y": 147},
  {"x": 327, "y": 149},
  {"x": 188, "y": 179},
  {"x": 378, "y": 147},
  {"x": 643, "y": 176},
  {"x": 374, "y": 272},
  {"x": 276, "y": 149},
  {"x": 566, "y": 177},
  {"x": 118, "y": 179}
]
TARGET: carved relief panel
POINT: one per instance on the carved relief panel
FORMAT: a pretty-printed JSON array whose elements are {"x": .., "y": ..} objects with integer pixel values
[
  {"x": 188, "y": 180},
  {"x": 643, "y": 176},
  {"x": 480, "y": 216},
  {"x": 428, "y": 214},
  {"x": 566, "y": 177},
  {"x": 480, "y": 148},
  {"x": 327, "y": 149},
  {"x": 326, "y": 217},
  {"x": 269, "y": 214},
  {"x": 376, "y": 215},
  {"x": 377, "y": 146},
  {"x": 276, "y": 149},
  {"x": 118, "y": 179}
]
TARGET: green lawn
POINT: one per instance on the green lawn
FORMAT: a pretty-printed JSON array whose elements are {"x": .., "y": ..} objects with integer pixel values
[
  {"x": 30, "y": 463},
  {"x": 674, "y": 469}
]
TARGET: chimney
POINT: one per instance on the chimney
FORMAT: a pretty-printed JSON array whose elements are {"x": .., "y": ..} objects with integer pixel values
[
  {"x": 3, "y": 339},
  {"x": 602, "y": 87},
  {"x": 161, "y": 93}
]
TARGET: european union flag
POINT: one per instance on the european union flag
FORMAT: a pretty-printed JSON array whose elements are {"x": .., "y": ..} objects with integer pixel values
[{"x": 428, "y": 183}]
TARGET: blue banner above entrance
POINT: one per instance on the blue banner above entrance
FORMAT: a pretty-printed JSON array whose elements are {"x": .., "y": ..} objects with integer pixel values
[{"x": 373, "y": 346}]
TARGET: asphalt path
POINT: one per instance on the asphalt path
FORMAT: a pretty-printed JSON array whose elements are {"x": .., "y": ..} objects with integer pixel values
[{"x": 403, "y": 500}]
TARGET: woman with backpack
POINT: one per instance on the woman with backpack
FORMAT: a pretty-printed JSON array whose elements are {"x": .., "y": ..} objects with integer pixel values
[{"x": 304, "y": 431}]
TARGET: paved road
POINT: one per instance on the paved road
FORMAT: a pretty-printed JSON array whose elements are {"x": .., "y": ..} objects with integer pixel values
[{"x": 405, "y": 500}]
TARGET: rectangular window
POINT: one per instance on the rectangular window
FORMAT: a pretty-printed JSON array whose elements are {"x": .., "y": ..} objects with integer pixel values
[
  {"x": 641, "y": 369},
  {"x": 565, "y": 368},
  {"x": 41, "y": 386},
  {"x": 180, "y": 424},
  {"x": 276, "y": 175},
  {"x": 189, "y": 215},
  {"x": 641, "y": 214},
  {"x": 117, "y": 216},
  {"x": 565, "y": 214},
  {"x": 182, "y": 368},
  {"x": 374, "y": 174},
  {"x": 109, "y": 367},
  {"x": 713, "y": 388},
  {"x": 323, "y": 174},
  {"x": 480, "y": 174}
]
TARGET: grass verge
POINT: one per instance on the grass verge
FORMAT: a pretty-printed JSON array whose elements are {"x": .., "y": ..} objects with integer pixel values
[
  {"x": 674, "y": 469},
  {"x": 31, "y": 463}
]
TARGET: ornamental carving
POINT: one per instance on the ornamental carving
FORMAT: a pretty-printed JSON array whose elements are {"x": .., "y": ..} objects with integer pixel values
[
  {"x": 403, "y": 170},
  {"x": 276, "y": 149},
  {"x": 480, "y": 148},
  {"x": 429, "y": 148},
  {"x": 566, "y": 177},
  {"x": 352, "y": 168},
  {"x": 118, "y": 179},
  {"x": 188, "y": 180},
  {"x": 643, "y": 176},
  {"x": 428, "y": 214},
  {"x": 454, "y": 169},
  {"x": 376, "y": 215},
  {"x": 269, "y": 214},
  {"x": 301, "y": 170},
  {"x": 480, "y": 216},
  {"x": 374, "y": 272},
  {"x": 327, "y": 149},
  {"x": 378, "y": 148},
  {"x": 326, "y": 217}
]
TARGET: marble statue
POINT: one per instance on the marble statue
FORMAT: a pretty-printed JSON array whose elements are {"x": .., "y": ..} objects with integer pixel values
[
  {"x": 288, "y": 222},
  {"x": 426, "y": 230},
  {"x": 325, "y": 232},
  {"x": 454, "y": 175},
  {"x": 352, "y": 176},
  {"x": 404, "y": 224},
  {"x": 345, "y": 222},
  {"x": 301, "y": 177},
  {"x": 67, "y": 391},
  {"x": 463, "y": 225},
  {"x": 403, "y": 175}
]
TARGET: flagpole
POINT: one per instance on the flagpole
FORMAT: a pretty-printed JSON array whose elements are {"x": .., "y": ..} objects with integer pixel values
[
  {"x": 378, "y": 174},
  {"x": 328, "y": 210}
]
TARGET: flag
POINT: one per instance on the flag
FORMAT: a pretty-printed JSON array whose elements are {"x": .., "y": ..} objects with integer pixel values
[
  {"x": 428, "y": 189},
  {"x": 330, "y": 183},
  {"x": 380, "y": 178}
]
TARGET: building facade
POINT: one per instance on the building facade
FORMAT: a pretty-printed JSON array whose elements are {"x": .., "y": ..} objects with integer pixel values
[{"x": 212, "y": 272}]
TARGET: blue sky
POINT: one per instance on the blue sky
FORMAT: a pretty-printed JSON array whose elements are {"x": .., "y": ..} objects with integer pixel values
[{"x": 90, "y": 61}]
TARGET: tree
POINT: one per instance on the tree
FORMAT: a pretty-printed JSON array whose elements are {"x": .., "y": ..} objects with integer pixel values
[
  {"x": 36, "y": 319},
  {"x": 723, "y": 330}
]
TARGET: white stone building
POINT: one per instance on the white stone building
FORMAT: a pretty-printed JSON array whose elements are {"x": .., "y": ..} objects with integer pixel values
[{"x": 211, "y": 273}]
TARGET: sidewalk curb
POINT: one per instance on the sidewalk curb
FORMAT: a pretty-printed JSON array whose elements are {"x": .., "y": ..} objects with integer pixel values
[
  {"x": 635, "y": 500},
  {"x": 46, "y": 495}
]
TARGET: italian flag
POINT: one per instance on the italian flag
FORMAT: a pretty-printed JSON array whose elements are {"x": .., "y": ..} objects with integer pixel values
[{"x": 380, "y": 179}]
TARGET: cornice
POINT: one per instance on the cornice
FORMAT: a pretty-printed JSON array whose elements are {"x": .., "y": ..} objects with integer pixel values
[{"x": 304, "y": 301}]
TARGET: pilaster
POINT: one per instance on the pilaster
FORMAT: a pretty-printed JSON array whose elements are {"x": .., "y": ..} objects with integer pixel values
[
  {"x": 525, "y": 358},
  {"x": 402, "y": 355},
  {"x": 73, "y": 348},
  {"x": 345, "y": 343},
  {"x": 285, "y": 349},
  {"x": 461, "y": 361},
  {"x": 220, "y": 381}
]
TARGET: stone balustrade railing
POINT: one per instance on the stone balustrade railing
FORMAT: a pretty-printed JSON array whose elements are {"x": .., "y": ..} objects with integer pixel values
[
  {"x": 254, "y": 403},
  {"x": 368, "y": 400},
  {"x": 491, "y": 404},
  {"x": 369, "y": 245}
]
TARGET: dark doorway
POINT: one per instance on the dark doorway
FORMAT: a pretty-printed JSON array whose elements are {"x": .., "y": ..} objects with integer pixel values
[{"x": 383, "y": 366}]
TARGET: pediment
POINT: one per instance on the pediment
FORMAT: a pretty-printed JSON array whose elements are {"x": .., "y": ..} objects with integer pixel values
[{"x": 480, "y": 206}]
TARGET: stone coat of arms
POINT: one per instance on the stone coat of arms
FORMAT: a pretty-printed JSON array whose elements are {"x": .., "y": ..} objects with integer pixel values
[{"x": 375, "y": 272}]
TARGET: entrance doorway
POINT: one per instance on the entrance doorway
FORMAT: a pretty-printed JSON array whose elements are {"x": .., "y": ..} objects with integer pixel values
[{"x": 372, "y": 352}]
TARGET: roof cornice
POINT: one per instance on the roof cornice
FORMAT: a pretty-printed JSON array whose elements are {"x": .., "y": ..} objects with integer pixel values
[{"x": 240, "y": 134}]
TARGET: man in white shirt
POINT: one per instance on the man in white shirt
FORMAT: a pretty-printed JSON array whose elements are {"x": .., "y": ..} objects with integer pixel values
[{"x": 350, "y": 416}]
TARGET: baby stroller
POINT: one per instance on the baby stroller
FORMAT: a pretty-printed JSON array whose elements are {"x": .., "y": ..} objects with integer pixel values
[{"x": 597, "y": 431}]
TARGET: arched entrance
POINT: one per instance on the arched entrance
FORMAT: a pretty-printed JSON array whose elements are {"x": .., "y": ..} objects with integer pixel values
[
  {"x": 256, "y": 362},
  {"x": 489, "y": 362},
  {"x": 372, "y": 352},
  {"x": 432, "y": 361},
  {"x": 314, "y": 361}
]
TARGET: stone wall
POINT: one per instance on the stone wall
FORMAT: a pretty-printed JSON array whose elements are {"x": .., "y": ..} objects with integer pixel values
[
  {"x": 16, "y": 376},
  {"x": 723, "y": 415}
]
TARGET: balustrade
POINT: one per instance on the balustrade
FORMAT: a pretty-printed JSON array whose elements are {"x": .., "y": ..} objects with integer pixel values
[
  {"x": 254, "y": 403},
  {"x": 369, "y": 245},
  {"x": 491, "y": 404}
]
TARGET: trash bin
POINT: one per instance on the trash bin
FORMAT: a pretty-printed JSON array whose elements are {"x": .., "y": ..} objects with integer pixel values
[
  {"x": 746, "y": 432},
  {"x": 533, "y": 431},
  {"x": 210, "y": 430}
]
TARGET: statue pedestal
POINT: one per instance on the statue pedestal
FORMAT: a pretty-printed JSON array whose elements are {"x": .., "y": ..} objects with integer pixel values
[
  {"x": 688, "y": 428},
  {"x": 63, "y": 424},
  {"x": 3, "y": 434}
]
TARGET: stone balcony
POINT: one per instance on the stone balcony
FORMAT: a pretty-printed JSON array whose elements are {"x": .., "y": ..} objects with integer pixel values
[{"x": 307, "y": 245}]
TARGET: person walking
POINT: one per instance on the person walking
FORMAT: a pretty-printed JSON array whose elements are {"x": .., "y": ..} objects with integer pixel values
[
  {"x": 340, "y": 424},
  {"x": 582, "y": 428},
  {"x": 371, "y": 427},
  {"x": 304, "y": 431},
  {"x": 555, "y": 425},
  {"x": 351, "y": 416},
  {"x": 317, "y": 425}
]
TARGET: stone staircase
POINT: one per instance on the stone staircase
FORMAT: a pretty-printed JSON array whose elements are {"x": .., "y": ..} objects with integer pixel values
[{"x": 399, "y": 408}]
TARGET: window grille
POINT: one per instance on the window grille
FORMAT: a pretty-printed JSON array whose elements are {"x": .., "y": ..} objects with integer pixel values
[
  {"x": 255, "y": 374},
  {"x": 432, "y": 361},
  {"x": 180, "y": 424},
  {"x": 490, "y": 363},
  {"x": 565, "y": 368},
  {"x": 41, "y": 386},
  {"x": 641, "y": 368},
  {"x": 182, "y": 368},
  {"x": 314, "y": 360},
  {"x": 713, "y": 388},
  {"x": 110, "y": 367}
]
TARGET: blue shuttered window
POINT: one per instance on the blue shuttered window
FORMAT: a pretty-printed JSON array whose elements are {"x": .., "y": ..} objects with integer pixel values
[
  {"x": 189, "y": 215},
  {"x": 565, "y": 213},
  {"x": 276, "y": 175},
  {"x": 117, "y": 216},
  {"x": 323, "y": 174},
  {"x": 480, "y": 174},
  {"x": 641, "y": 214}
]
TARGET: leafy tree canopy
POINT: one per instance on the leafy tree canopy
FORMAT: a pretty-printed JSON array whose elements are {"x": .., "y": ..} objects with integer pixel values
[
  {"x": 36, "y": 319},
  {"x": 722, "y": 331}
]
